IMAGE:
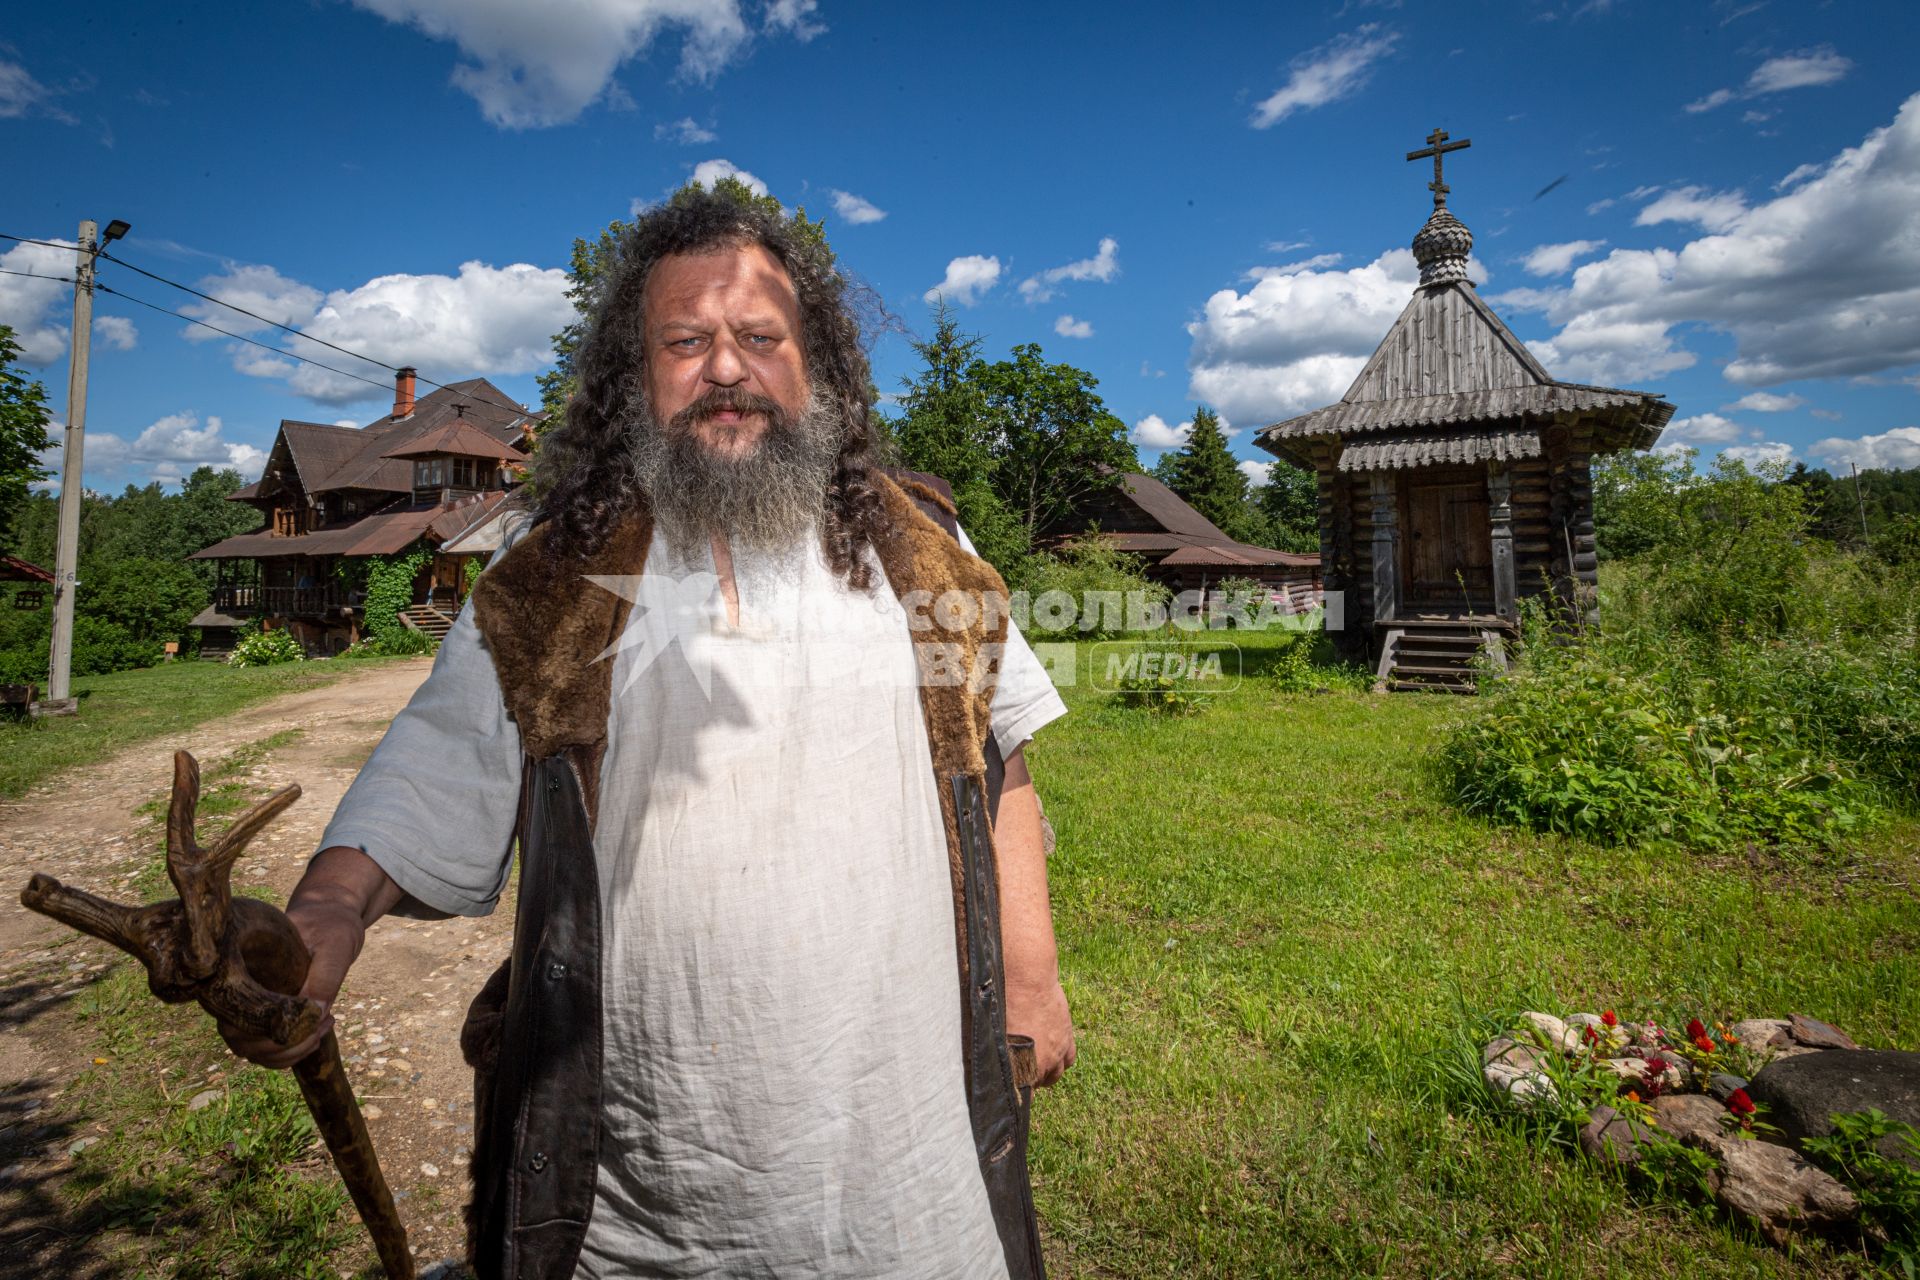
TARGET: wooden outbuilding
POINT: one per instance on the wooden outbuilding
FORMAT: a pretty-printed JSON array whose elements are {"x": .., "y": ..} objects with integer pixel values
[{"x": 1454, "y": 475}]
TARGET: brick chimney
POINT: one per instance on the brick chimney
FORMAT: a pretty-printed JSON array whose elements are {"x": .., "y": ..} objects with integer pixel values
[{"x": 403, "y": 392}]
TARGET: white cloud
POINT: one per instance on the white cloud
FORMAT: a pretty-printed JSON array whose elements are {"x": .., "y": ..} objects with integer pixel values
[
  {"x": 1557, "y": 259},
  {"x": 1600, "y": 206},
  {"x": 1704, "y": 428},
  {"x": 1152, "y": 432},
  {"x": 170, "y": 449},
  {"x": 1822, "y": 281},
  {"x": 1750, "y": 116},
  {"x": 1766, "y": 451},
  {"x": 1802, "y": 70},
  {"x": 1898, "y": 448},
  {"x": 709, "y": 172},
  {"x": 1716, "y": 210},
  {"x": 1257, "y": 473},
  {"x": 795, "y": 17},
  {"x": 855, "y": 209},
  {"x": 19, "y": 91},
  {"x": 116, "y": 332},
  {"x": 1333, "y": 71},
  {"x": 1718, "y": 98},
  {"x": 1799, "y": 174},
  {"x": 1764, "y": 402},
  {"x": 685, "y": 131},
  {"x": 533, "y": 65},
  {"x": 35, "y": 309},
  {"x": 259, "y": 289},
  {"x": 1286, "y": 246},
  {"x": 1294, "y": 342},
  {"x": 966, "y": 279},
  {"x": 1068, "y": 327},
  {"x": 486, "y": 320},
  {"x": 1318, "y": 262},
  {"x": 1103, "y": 266}
]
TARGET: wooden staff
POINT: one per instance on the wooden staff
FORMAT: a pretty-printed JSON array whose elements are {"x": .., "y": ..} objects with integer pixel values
[{"x": 244, "y": 962}]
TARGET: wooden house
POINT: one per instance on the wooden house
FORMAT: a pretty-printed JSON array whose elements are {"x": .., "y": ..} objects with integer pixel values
[
  {"x": 1180, "y": 547},
  {"x": 419, "y": 477},
  {"x": 1454, "y": 474}
]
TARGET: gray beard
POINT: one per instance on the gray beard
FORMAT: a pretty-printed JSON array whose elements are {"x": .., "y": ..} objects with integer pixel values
[{"x": 765, "y": 499}]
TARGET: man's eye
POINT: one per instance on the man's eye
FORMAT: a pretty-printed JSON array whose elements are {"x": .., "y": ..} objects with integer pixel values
[{"x": 758, "y": 340}]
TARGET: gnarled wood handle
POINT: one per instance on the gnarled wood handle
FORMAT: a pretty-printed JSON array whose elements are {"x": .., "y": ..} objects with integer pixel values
[{"x": 245, "y": 963}]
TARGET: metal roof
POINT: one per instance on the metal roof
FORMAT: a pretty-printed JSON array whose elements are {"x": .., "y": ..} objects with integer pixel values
[{"x": 1424, "y": 450}]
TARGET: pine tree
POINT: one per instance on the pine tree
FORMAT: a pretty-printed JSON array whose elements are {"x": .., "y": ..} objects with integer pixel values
[{"x": 1206, "y": 475}]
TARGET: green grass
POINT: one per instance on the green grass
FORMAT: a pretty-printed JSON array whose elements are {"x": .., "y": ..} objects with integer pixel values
[
  {"x": 128, "y": 707},
  {"x": 1272, "y": 931}
]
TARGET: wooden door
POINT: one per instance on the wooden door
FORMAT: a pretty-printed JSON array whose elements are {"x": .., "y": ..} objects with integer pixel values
[{"x": 1447, "y": 534}]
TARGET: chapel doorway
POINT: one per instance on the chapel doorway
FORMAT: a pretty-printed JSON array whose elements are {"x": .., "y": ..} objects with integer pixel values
[{"x": 1447, "y": 550}]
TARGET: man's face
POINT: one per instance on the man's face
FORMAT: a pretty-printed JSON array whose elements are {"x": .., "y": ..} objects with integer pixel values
[{"x": 722, "y": 325}]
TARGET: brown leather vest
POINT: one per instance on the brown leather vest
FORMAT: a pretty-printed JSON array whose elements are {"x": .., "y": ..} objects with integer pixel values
[{"x": 533, "y": 1035}]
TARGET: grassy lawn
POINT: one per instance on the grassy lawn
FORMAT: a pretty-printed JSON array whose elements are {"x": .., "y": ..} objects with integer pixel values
[
  {"x": 127, "y": 707},
  {"x": 1272, "y": 926}
]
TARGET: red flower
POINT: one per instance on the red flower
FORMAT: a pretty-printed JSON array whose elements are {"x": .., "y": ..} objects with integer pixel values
[
  {"x": 1592, "y": 1036},
  {"x": 1657, "y": 1066},
  {"x": 1739, "y": 1103},
  {"x": 1608, "y": 1019},
  {"x": 1696, "y": 1031},
  {"x": 1703, "y": 1044}
]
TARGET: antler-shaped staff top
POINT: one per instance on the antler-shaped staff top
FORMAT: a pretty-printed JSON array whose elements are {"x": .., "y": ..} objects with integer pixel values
[{"x": 242, "y": 960}]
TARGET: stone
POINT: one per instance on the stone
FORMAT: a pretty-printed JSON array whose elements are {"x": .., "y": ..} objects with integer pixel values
[
  {"x": 1612, "y": 1138},
  {"x": 202, "y": 1100},
  {"x": 1779, "y": 1189},
  {"x": 1626, "y": 1068},
  {"x": 1761, "y": 1034},
  {"x": 1509, "y": 1052},
  {"x": 1522, "y": 1088},
  {"x": 430, "y": 1169},
  {"x": 1693, "y": 1119},
  {"x": 1816, "y": 1034},
  {"x": 1802, "y": 1091},
  {"x": 1581, "y": 1021},
  {"x": 1548, "y": 1031},
  {"x": 1721, "y": 1085}
]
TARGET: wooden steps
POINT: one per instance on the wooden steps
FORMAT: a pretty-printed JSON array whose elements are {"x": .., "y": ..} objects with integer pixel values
[
  {"x": 425, "y": 618},
  {"x": 1439, "y": 655}
]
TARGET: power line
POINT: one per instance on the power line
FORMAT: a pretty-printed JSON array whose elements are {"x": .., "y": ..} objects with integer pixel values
[
  {"x": 518, "y": 410},
  {"x": 240, "y": 337},
  {"x": 35, "y": 275}
]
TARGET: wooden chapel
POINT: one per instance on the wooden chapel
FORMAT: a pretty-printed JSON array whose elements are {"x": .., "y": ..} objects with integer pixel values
[{"x": 1454, "y": 474}]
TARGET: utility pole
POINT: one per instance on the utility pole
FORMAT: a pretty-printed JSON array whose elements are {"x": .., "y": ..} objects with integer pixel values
[{"x": 59, "y": 700}]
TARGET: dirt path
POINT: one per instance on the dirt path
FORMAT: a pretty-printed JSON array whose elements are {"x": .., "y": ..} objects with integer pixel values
[{"x": 399, "y": 1014}]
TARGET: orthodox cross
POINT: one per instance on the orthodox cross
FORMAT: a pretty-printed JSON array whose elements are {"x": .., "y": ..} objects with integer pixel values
[{"x": 1438, "y": 146}]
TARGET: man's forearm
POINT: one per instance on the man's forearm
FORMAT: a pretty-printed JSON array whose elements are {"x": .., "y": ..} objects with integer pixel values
[
  {"x": 1036, "y": 1004},
  {"x": 342, "y": 878}
]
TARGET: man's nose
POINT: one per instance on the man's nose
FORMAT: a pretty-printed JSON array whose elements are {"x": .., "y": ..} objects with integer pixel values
[{"x": 726, "y": 363}]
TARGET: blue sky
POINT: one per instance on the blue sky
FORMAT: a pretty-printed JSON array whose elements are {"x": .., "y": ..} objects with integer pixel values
[{"x": 1197, "y": 205}]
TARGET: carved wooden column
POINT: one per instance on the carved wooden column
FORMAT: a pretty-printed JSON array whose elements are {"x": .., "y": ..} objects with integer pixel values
[
  {"x": 1386, "y": 558},
  {"x": 1500, "y": 515}
]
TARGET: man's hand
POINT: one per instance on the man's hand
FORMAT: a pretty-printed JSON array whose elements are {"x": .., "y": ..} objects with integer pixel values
[
  {"x": 1043, "y": 1015},
  {"x": 342, "y": 893},
  {"x": 1036, "y": 1004}
]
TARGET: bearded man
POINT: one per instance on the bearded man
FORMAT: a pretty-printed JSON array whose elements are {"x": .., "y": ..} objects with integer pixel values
[{"x": 765, "y": 815}]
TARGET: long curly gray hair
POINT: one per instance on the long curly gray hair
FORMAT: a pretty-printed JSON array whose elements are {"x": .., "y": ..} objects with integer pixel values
[{"x": 585, "y": 474}]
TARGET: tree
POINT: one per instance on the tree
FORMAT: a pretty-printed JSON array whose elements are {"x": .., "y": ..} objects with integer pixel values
[
  {"x": 23, "y": 433},
  {"x": 940, "y": 430},
  {"x": 1289, "y": 506},
  {"x": 1053, "y": 442},
  {"x": 1206, "y": 475},
  {"x": 592, "y": 263},
  {"x": 1635, "y": 506}
]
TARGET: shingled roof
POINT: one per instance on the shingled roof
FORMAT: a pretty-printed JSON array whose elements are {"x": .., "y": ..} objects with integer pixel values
[{"x": 1450, "y": 370}]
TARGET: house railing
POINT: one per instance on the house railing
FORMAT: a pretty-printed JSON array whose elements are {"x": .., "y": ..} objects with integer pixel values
[{"x": 280, "y": 602}]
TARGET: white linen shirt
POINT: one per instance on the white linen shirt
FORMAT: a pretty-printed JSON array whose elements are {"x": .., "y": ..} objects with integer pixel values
[{"x": 783, "y": 1089}]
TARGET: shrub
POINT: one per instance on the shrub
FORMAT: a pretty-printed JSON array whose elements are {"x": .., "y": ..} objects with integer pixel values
[
  {"x": 1169, "y": 695},
  {"x": 1081, "y": 567},
  {"x": 402, "y": 641},
  {"x": 264, "y": 648}
]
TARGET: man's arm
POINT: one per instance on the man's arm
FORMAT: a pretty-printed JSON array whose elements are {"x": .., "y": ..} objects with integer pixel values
[
  {"x": 1036, "y": 1003},
  {"x": 341, "y": 895}
]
